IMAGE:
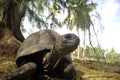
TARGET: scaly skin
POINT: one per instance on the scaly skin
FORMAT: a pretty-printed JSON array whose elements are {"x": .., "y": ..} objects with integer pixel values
[{"x": 22, "y": 73}]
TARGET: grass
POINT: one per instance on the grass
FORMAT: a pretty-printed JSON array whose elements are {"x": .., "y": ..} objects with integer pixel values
[
  {"x": 97, "y": 70},
  {"x": 86, "y": 69}
]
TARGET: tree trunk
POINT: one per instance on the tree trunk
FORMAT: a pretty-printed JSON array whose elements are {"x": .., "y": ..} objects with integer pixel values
[
  {"x": 78, "y": 54},
  {"x": 10, "y": 33},
  {"x": 8, "y": 43},
  {"x": 84, "y": 44}
]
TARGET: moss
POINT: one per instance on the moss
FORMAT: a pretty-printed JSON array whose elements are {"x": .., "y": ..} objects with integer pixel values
[{"x": 6, "y": 67}]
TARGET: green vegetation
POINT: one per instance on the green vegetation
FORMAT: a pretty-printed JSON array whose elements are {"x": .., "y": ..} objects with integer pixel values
[
  {"x": 98, "y": 54},
  {"x": 7, "y": 64},
  {"x": 113, "y": 56}
]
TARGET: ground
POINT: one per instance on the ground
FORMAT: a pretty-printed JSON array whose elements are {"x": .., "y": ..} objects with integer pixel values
[
  {"x": 86, "y": 69},
  {"x": 94, "y": 70}
]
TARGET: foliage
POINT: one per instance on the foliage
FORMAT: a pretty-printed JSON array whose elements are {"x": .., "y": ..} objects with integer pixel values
[
  {"x": 90, "y": 50},
  {"x": 44, "y": 13},
  {"x": 113, "y": 56},
  {"x": 90, "y": 53},
  {"x": 78, "y": 14}
]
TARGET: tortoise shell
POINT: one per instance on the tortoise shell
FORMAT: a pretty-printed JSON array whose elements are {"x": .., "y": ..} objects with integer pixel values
[
  {"x": 47, "y": 40},
  {"x": 36, "y": 42}
]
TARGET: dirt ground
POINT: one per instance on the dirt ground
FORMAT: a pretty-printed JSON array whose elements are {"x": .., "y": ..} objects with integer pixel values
[
  {"x": 94, "y": 70},
  {"x": 87, "y": 69}
]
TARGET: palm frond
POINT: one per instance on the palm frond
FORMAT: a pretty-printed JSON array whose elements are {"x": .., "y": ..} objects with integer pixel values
[
  {"x": 91, "y": 6},
  {"x": 21, "y": 4}
]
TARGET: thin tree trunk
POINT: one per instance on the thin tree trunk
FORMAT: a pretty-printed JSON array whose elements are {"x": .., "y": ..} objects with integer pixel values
[
  {"x": 78, "y": 54},
  {"x": 84, "y": 44}
]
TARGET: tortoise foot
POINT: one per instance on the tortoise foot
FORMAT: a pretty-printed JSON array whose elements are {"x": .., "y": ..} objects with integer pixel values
[{"x": 12, "y": 76}]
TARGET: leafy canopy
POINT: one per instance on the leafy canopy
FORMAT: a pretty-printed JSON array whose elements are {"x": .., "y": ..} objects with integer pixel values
[{"x": 44, "y": 12}]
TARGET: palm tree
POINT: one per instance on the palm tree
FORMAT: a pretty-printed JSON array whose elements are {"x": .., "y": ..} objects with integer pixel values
[{"x": 78, "y": 16}]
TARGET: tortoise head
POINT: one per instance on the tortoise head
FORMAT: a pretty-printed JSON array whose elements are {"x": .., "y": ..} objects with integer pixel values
[
  {"x": 71, "y": 42},
  {"x": 67, "y": 43}
]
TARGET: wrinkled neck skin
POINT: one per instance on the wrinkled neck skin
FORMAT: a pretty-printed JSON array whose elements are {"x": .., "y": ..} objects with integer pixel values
[{"x": 62, "y": 47}]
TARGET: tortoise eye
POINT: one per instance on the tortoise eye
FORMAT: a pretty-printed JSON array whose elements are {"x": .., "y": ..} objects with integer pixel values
[{"x": 67, "y": 36}]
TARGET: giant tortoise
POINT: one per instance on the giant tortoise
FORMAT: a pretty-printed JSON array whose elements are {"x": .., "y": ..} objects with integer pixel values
[{"x": 45, "y": 53}]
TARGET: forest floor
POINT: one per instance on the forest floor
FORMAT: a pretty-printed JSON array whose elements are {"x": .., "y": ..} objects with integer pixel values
[{"x": 86, "y": 69}]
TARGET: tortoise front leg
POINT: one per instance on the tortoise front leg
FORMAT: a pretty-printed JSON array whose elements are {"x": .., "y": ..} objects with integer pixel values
[
  {"x": 22, "y": 73},
  {"x": 68, "y": 72}
]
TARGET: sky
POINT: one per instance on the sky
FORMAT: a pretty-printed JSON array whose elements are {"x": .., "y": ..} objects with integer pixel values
[{"x": 110, "y": 16}]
